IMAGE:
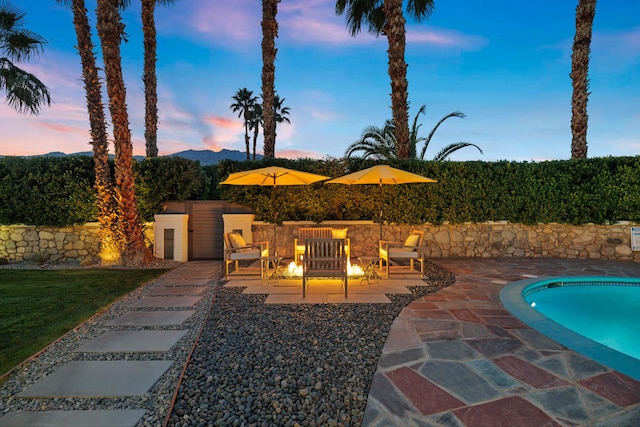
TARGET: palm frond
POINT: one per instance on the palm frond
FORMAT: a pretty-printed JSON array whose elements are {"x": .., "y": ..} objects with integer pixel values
[
  {"x": 451, "y": 148},
  {"x": 427, "y": 141}
]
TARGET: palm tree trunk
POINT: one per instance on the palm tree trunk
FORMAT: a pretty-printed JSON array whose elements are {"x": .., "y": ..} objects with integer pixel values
[
  {"x": 585, "y": 12},
  {"x": 246, "y": 134},
  {"x": 395, "y": 31},
  {"x": 110, "y": 239},
  {"x": 110, "y": 31},
  {"x": 149, "y": 78},
  {"x": 269, "y": 34},
  {"x": 255, "y": 140}
]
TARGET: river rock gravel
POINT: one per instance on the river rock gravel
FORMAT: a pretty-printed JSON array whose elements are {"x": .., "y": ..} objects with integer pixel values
[{"x": 262, "y": 364}]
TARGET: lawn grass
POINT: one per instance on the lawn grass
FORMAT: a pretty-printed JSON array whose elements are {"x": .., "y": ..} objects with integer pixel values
[{"x": 39, "y": 306}]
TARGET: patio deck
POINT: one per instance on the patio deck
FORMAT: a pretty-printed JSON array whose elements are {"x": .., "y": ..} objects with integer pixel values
[{"x": 458, "y": 358}]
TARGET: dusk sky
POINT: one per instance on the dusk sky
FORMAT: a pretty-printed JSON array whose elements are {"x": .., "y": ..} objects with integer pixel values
[{"x": 503, "y": 63}]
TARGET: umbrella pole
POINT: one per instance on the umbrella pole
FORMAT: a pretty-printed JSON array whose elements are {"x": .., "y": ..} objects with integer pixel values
[{"x": 381, "y": 207}]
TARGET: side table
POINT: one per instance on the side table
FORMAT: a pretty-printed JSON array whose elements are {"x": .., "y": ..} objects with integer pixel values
[
  {"x": 368, "y": 265},
  {"x": 271, "y": 274}
]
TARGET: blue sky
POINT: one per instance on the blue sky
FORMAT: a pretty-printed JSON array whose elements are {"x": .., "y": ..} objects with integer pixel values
[{"x": 503, "y": 63}]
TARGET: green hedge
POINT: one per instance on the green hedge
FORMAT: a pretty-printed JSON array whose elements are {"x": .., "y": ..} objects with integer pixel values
[{"x": 58, "y": 191}]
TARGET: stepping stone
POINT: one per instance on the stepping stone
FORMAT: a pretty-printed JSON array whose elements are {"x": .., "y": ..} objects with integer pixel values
[
  {"x": 86, "y": 378},
  {"x": 152, "y": 318},
  {"x": 181, "y": 281},
  {"x": 164, "y": 302},
  {"x": 95, "y": 418},
  {"x": 179, "y": 290},
  {"x": 131, "y": 341}
]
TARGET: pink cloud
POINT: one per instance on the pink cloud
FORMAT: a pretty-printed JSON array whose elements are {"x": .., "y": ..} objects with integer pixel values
[
  {"x": 223, "y": 122},
  {"x": 212, "y": 144}
]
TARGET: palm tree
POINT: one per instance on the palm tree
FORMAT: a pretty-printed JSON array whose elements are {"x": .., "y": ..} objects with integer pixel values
[
  {"x": 243, "y": 105},
  {"x": 110, "y": 234},
  {"x": 385, "y": 16},
  {"x": 149, "y": 75},
  {"x": 380, "y": 143},
  {"x": 269, "y": 34},
  {"x": 375, "y": 142},
  {"x": 256, "y": 121},
  {"x": 585, "y": 12},
  {"x": 110, "y": 31},
  {"x": 281, "y": 113},
  {"x": 446, "y": 151},
  {"x": 25, "y": 92}
]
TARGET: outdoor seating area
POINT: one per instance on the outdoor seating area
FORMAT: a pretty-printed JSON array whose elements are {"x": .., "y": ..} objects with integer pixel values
[{"x": 284, "y": 284}]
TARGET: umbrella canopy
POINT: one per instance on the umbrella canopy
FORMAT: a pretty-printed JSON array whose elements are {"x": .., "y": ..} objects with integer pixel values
[
  {"x": 381, "y": 175},
  {"x": 273, "y": 176}
]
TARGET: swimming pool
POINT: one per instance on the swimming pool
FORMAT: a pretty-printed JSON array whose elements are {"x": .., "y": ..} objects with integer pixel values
[{"x": 596, "y": 316}]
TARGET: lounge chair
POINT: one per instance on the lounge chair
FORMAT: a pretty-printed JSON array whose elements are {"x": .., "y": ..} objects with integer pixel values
[
  {"x": 411, "y": 250},
  {"x": 236, "y": 249},
  {"x": 324, "y": 258}
]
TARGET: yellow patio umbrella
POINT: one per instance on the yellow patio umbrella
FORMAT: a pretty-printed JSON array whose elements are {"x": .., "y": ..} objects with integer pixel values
[
  {"x": 381, "y": 175},
  {"x": 273, "y": 176}
]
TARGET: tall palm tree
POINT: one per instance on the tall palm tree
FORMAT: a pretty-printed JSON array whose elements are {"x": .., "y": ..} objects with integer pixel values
[
  {"x": 24, "y": 91},
  {"x": 386, "y": 16},
  {"x": 585, "y": 12},
  {"x": 110, "y": 31},
  {"x": 243, "y": 105},
  {"x": 380, "y": 143},
  {"x": 256, "y": 121},
  {"x": 269, "y": 33},
  {"x": 149, "y": 75},
  {"x": 110, "y": 234}
]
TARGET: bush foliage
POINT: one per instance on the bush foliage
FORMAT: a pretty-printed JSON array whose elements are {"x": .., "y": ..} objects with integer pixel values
[{"x": 59, "y": 192}]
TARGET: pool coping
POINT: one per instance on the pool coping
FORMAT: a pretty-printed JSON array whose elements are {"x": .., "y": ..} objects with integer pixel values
[{"x": 512, "y": 298}]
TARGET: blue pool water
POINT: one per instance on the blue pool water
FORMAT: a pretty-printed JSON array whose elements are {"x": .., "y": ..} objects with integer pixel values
[
  {"x": 596, "y": 316},
  {"x": 607, "y": 314}
]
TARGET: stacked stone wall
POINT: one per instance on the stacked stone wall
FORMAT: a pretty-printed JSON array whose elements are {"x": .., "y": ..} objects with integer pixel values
[
  {"x": 491, "y": 239},
  {"x": 50, "y": 244}
]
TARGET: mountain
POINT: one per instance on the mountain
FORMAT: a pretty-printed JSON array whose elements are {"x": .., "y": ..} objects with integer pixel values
[{"x": 205, "y": 157}]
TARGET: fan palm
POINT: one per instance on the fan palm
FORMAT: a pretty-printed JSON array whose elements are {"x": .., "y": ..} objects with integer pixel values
[
  {"x": 25, "y": 92},
  {"x": 149, "y": 75},
  {"x": 110, "y": 235},
  {"x": 269, "y": 33},
  {"x": 281, "y": 113},
  {"x": 585, "y": 12},
  {"x": 110, "y": 31},
  {"x": 256, "y": 121},
  {"x": 386, "y": 17},
  {"x": 243, "y": 105}
]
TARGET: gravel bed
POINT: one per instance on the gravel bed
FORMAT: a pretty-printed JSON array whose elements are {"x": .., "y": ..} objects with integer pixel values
[
  {"x": 254, "y": 364},
  {"x": 287, "y": 365}
]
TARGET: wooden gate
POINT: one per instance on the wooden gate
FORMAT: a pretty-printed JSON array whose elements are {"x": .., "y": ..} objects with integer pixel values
[{"x": 206, "y": 226}]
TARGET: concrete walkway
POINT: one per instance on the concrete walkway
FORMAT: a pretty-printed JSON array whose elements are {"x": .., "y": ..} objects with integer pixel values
[
  {"x": 149, "y": 327},
  {"x": 458, "y": 358}
]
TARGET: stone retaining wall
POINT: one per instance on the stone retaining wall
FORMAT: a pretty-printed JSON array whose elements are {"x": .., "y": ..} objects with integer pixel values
[
  {"x": 491, "y": 239},
  {"x": 41, "y": 244}
]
